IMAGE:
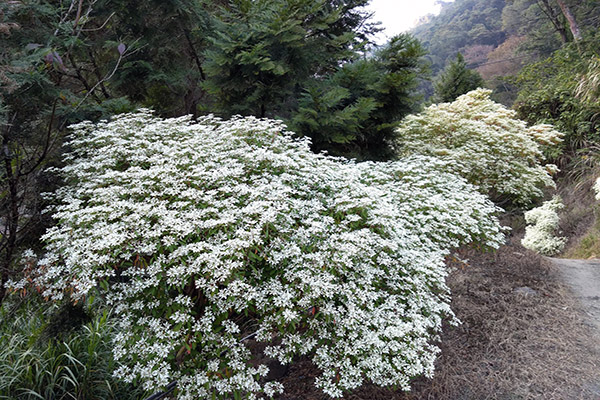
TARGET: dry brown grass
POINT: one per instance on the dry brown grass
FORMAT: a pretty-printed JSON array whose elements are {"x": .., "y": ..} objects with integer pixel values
[
  {"x": 579, "y": 220},
  {"x": 509, "y": 346}
]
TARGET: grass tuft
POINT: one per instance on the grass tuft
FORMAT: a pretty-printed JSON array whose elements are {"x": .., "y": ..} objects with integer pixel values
[{"x": 76, "y": 364}]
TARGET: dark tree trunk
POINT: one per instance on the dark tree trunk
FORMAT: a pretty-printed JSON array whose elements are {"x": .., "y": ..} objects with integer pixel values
[
  {"x": 9, "y": 234},
  {"x": 555, "y": 19}
]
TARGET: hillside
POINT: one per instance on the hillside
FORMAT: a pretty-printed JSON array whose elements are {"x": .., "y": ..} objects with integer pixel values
[
  {"x": 472, "y": 27},
  {"x": 497, "y": 38}
]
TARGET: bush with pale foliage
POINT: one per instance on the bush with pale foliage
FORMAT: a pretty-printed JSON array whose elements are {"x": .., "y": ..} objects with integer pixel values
[
  {"x": 596, "y": 188},
  {"x": 201, "y": 233},
  {"x": 483, "y": 141},
  {"x": 540, "y": 234}
]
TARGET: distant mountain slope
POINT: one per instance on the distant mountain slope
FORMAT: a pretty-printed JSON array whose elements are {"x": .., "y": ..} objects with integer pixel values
[
  {"x": 472, "y": 27},
  {"x": 498, "y": 36}
]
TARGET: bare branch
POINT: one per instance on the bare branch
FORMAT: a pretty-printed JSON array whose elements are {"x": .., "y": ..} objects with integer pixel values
[{"x": 101, "y": 26}]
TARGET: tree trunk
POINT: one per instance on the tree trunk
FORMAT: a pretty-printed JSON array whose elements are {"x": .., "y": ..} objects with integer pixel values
[
  {"x": 9, "y": 234},
  {"x": 554, "y": 17},
  {"x": 572, "y": 22}
]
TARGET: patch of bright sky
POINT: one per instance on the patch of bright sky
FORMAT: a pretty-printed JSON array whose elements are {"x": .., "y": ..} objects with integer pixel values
[{"x": 397, "y": 16}]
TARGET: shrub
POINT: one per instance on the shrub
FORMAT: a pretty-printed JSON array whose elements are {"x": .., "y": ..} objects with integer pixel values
[
  {"x": 483, "y": 141},
  {"x": 204, "y": 232},
  {"x": 543, "y": 223},
  {"x": 561, "y": 90}
]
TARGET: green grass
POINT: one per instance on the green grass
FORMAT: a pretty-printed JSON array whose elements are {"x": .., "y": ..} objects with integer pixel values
[{"x": 72, "y": 364}]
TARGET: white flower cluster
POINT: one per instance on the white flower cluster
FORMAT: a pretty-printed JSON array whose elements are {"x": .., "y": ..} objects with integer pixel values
[
  {"x": 596, "y": 188},
  {"x": 204, "y": 232},
  {"x": 483, "y": 141},
  {"x": 543, "y": 223}
]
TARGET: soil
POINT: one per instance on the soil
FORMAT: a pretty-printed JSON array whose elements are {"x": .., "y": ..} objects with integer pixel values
[{"x": 524, "y": 335}]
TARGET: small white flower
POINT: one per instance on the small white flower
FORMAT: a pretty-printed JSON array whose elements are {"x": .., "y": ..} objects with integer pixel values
[
  {"x": 597, "y": 188},
  {"x": 207, "y": 231},
  {"x": 542, "y": 225}
]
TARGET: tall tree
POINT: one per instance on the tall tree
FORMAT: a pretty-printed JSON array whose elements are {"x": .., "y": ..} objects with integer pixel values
[
  {"x": 555, "y": 17},
  {"x": 573, "y": 25},
  {"x": 456, "y": 80},
  {"x": 169, "y": 37},
  {"x": 353, "y": 111},
  {"x": 262, "y": 51},
  {"x": 548, "y": 24}
]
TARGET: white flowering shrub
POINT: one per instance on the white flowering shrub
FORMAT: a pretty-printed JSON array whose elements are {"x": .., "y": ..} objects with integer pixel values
[
  {"x": 596, "y": 188},
  {"x": 201, "y": 233},
  {"x": 483, "y": 141},
  {"x": 542, "y": 226}
]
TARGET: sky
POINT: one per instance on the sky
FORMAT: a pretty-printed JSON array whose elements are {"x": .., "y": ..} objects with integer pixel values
[{"x": 399, "y": 16}]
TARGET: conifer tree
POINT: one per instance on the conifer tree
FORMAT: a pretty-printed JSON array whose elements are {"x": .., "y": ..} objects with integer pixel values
[
  {"x": 264, "y": 51},
  {"x": 353, "y": 112},
  {"x": 456, "y": 79}
]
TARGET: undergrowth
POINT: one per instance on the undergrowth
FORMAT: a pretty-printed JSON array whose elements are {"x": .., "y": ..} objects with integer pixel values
[
  {"x": 588, "y": 246},
  {"x": 579, "y": 219},
  {"x": 44, "y": 357}
]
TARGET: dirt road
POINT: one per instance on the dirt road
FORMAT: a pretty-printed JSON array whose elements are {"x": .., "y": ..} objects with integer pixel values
[{"x": 584, "y": 278}]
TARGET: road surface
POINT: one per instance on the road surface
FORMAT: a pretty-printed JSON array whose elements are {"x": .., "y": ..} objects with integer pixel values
[{"x": 584, "y": 278}]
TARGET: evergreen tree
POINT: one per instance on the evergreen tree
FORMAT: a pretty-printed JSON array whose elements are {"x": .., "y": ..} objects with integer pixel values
[
  {"x": 456, "y": 80},
  {"x": 164, "y": 70},
  {"x": 264, "y": 51},
  {"x": 353, "y": 112}
]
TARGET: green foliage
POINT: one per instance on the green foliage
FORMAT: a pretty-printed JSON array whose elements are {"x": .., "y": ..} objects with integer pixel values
[
  {"x": 298, "y": 60},
  {"x": 74, "y": 365},
  {"x": 543, "y": 25},
  {"x": 164, "y": 69},
  {"x": 456, "y": 80},
  {"x": 460, "y": 24},
  {"x": 263, "y": 52},
  {"x": 548, "y": 95},
  {"x": 525, "y": 18},
  {"x": 353, "y": 112}
]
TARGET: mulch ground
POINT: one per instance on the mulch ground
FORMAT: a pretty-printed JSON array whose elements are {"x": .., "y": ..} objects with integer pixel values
[{"x": 523, "y": 336}]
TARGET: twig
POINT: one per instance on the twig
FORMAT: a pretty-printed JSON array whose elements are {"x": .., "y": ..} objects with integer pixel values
[
  {"x": 101, "y": 26},
  {"x": 101, "y": 81}
]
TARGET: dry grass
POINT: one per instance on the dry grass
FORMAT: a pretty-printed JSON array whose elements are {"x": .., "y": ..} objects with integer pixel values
[
  {"x": 509, "y": 346},
  {"x": 586, "y": 247},
  {"x": 579, "y": 220}
]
